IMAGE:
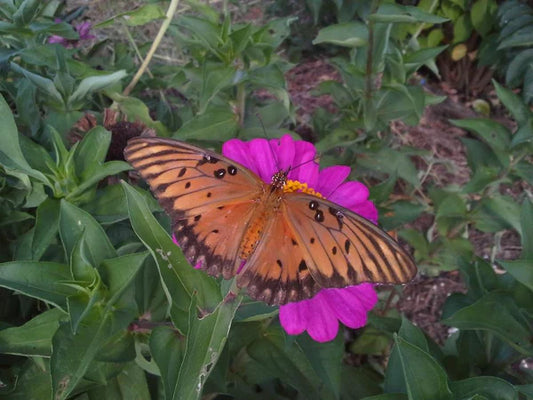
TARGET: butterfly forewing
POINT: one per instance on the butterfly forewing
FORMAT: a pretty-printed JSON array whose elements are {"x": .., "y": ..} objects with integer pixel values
[
  {"x": 343, "y": 248},
  {"x": 208, "y": 197}
]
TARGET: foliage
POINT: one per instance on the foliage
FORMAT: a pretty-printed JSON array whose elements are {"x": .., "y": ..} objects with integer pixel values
[{"x": 97, "y": 301}]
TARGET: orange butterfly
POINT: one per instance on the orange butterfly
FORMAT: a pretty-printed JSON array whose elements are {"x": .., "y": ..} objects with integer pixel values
[{"x": 291, "y": 244}]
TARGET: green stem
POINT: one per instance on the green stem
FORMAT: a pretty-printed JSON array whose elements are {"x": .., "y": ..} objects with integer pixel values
[
  {"x": 144, "y": 66},
  {"x": 241, "y": 103},
  {"x": 370, "y": 52}
]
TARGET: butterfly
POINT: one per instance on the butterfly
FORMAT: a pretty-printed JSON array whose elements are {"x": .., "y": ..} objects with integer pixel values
[{"x": 283, "y": 247}]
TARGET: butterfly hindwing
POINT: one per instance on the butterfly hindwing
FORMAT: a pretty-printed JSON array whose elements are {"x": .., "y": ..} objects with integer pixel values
[
  {"x": 342, "y": 248},
  {"x": 277, "y": 272},
  {"x": 201, "y": 191}
]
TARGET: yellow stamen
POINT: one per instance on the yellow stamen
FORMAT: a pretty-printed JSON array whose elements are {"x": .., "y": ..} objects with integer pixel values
[{"x": 296, "y": 186}]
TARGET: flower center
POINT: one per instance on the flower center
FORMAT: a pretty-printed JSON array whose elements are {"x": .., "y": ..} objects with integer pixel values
[{"x": 297, "y": 186}]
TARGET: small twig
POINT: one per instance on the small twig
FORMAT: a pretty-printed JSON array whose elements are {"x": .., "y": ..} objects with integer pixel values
[{"x": 144, "y": 66}]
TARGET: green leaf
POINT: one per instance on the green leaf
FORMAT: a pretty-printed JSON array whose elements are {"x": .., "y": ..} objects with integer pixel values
[
  {"x": 482, "y": 15},
  {"x": 73, "y": 223},
  {"x": 216, "y": 124},
  {"x": 215, "y": 80},
  {"x": 424, "y": 377},
  {"x": 72, "y": 353},
  {"x": 271, "y": 356},
  {"x": 205, "y": 340},
  {"x": 179, "y": 279},
  {"x": 10, "y": 152},
  {"x": 139, "y": 16},
  {"x": 136, "y": 110},
  {"x": 91, "y": 151},
  {"x": 526, "y": 222},
  {"x": 41, "y": 280},
  {"x": 94, "y": 83},
  {"x": 167, "y": 347},
  {"x": 390, "y": 12},
  {"x": 496, "y": 213},
  {"x": 359, "y": 382},
  {"x": 26, "y": 11},
  {"x": 496, "y": 313},
  {"x": 489, "y": 386},
  {"x": 118, "y": 273},
  {"x": 349, "y": 34},
  {"x": 32, "y": 381},
  {"x": 129, "y": 384},
  {"x": 44, "y": 84},
  {"x": 46, "y": 227},
  {"x": 513, "y": 103},
  {"x": 34, "y": 338},
  {"x": 494, "y": 134},
  {"x": 326, "y": 360},
  {"x": 521, "y": 270}
]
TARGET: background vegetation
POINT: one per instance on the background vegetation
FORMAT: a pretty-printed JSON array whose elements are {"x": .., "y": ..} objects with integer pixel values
[{"x": 92, "y": 306}]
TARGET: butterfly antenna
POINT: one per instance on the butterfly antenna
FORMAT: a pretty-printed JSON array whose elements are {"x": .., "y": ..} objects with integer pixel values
[
  {"x": 274, "y": 157},
  {"x": 314, "y": 159}
]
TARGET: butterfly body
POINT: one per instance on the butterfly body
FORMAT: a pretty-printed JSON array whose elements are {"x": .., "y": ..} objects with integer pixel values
[{"x": 283, "y": 247}]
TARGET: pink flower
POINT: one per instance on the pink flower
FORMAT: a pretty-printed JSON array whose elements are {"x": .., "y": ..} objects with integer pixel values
[
  {"x": 83, "y": 30},
  {"x": 319, "y": 315}
]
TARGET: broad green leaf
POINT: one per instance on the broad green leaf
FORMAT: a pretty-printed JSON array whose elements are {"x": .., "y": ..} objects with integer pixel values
[
  {"x": 213, "y": 82},
  {"x": 489, "y": 386},
  {"x": 118, "y": 273},
  {"x": 205, "y": 340},
  {"x": 314, "y": 6},
  {"x": 26, "y": 11},
  {"x": 494, "y": 134},
  {"x": 252, "y": 310},
  {"x": 129, "y": 384},
  {"x": 521, "y": 270},
  {"x": 359, "y": 382},
  {"x": 73, "y": 223},
  {"x": 349, "y": 34},
  {"x": 387, "y": 396},
  {"x": 217, "y": 123},
  {"x": 136, "y": 110},
  {"x": 512, "y": 102},
  {"x": 32, "y": 381},
  {"x": 179, "y": 279},
  {"x": 10, "y": 152},
  {"x": 167, "y": 347},
  {"x": 390, "y": 12},
  {"x": 72, "y": 353},
  {"x": 34, "y": 338},
  {"x": 526, "y": 222},
  {"x": 482, "y": 15},
  {"x": 46, "y": 227},
  {"x": 271, "y": 356},
  {"x": 496, "y": 313},
  {"x": 42, "y": 280},
  {"x": 93, "y": 84},
  {"x": 46, "y": 85},
  {"x": 326, "y": 360},
  {"x": 424, "y": 377},
  {"x": 497, "y": 213},
  {"x": 139, "y": 16},
  {"x": 91, "y": 151}
]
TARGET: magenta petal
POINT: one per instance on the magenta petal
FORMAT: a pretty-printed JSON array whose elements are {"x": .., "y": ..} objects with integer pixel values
[
  {"x": 330, "y": 178},
  {"x": 265, "y": 165},
  {"x": 238, "y": 151},
  {"x": 293, "y": 317},
  {"x": 322, "y": 324},
  {"x": 351, "y": 304},
  {"x": 284, "y": 149},
  {"x": 305, "y": 168}
]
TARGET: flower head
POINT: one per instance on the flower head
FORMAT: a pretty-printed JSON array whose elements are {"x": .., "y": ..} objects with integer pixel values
[
  {"x": 83, "y": 30},
  {"x": 320, "y": 314}
]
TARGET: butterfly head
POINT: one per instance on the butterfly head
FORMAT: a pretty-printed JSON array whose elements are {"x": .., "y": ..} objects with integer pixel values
[{"x": 279, "y": 179}]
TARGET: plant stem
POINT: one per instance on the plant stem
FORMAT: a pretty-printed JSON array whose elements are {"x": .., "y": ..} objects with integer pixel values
[
  {"x": 370, "y": 51},
  {"x": 164, "y": 26}
]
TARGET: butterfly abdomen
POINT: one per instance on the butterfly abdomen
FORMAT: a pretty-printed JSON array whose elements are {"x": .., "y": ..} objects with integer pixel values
[{"x": 267, "y": 207}]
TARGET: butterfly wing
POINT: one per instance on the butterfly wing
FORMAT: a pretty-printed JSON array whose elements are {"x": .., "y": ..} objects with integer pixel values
[
  {"x": 312, "y": 244},
  {"x": 342, "y": 248},
  {"x": 209, "y": 198}
]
